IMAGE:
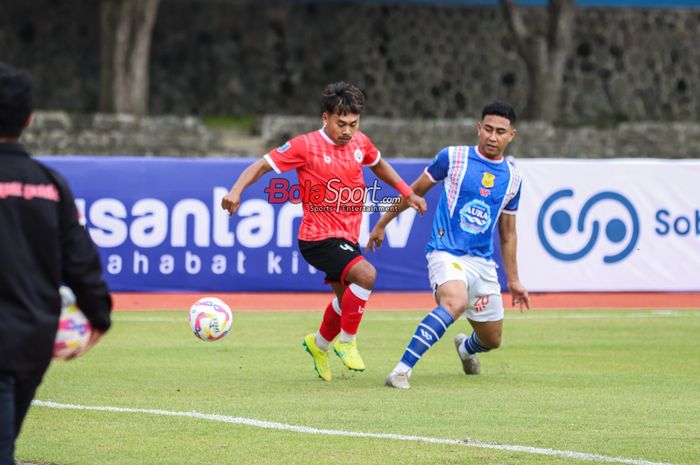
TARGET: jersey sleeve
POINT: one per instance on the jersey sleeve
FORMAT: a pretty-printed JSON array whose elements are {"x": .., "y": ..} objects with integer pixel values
[
  {"x": 511, "y": 207},
  {"x": 372, "y": 154},
  {"x": 289, "y": 156},
  {"x": 438, "y": 168}
]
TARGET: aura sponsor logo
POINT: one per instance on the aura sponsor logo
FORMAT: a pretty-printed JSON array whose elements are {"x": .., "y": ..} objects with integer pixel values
[
  {"x": 605, "y": 217},
  {"x": 475, "y": 217}
]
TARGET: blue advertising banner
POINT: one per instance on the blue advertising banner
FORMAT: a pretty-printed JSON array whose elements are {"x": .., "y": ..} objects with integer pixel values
[{"x": 159, "y": 226}]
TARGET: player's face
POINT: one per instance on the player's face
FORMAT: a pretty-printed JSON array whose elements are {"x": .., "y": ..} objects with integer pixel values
[
  {"x": 495, "y": 133},
  {"x": 341, "y": 128}
]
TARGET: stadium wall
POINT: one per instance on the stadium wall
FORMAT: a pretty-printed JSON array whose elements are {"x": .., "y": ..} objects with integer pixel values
[
  {"x": 535, "y": 139},
  {"x": 413, "y": 60},
  {"x": 617, "y": 225},
  {"x": 62, "y": 133}
]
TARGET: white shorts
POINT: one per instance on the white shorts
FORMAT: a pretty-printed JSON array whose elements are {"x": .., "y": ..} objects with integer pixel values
[{"x": 478, "y": 274}]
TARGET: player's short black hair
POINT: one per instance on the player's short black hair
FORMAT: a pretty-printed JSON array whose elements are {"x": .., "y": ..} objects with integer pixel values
[
  {"x": 499, "y": 108},
  {"x": 16, "y": 100},
  {"x": 342, "y": 98}
]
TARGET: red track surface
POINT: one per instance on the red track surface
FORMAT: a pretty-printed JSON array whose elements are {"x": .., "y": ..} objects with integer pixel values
[{"x": 317, "y": 301}]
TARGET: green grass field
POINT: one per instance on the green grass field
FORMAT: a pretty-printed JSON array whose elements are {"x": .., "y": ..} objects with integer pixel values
[{"x": 624, "y": 386}]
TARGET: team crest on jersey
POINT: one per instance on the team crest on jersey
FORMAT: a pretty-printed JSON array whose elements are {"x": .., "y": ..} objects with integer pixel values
[
  {"x": 475, "y": 217},
  {"x": 359, "y": 156},
  {"x": 488, "y": 179},
  {"x": 285, "y": 147}
]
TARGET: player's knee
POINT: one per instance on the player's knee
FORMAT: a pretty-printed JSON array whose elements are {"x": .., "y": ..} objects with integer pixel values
[
  {"x": 366, "y": 276},
  {"x": 492, "y": 341},
  {"x": 371, "y": 274},
  {"x": 456, "y": 307}
]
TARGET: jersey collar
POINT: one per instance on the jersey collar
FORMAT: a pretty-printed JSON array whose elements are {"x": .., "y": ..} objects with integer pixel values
[
  {"x": 325, "y": 136},
  {"x": 487, "y": 159},
  {"x": 13, "y": 148}
]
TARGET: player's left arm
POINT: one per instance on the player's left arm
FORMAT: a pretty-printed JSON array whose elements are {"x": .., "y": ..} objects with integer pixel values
[
  {"x": 420, "y": 186},
  {"x": 509, "y": 247},
  {"x": 386, "y": 173}
]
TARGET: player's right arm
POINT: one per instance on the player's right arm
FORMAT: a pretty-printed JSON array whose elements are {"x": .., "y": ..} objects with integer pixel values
[
  {"x": 231, "y": 201},
  {"x": 289, "y": 156},
  {"x": 420, "y": 187}
]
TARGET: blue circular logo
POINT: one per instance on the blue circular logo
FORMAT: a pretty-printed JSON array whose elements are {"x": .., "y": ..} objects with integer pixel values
[{"x": 561, "y": 222}]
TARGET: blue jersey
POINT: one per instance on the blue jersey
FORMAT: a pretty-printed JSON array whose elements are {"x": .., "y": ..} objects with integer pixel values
[{"x": 475, "y": 192}]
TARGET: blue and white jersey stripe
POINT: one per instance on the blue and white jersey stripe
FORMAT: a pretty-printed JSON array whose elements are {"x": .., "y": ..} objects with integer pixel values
[
  {"x": 512, "y": 190},
  {"x": 458, "y": 168}
]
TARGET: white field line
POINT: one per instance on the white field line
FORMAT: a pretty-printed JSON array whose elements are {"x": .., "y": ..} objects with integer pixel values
[
  {"x": 330, "y": 432},
  {"x": 512, "y": 317}
]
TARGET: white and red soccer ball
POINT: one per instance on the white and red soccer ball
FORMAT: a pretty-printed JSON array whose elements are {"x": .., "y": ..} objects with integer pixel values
[
  {"x": 74, "y": 329},
  {"x": 210, "y": 318}
]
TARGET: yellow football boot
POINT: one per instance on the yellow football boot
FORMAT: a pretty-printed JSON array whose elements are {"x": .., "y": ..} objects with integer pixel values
[
  {"x": 320, "y": 357},
  {"x": 347, "y": 351}
]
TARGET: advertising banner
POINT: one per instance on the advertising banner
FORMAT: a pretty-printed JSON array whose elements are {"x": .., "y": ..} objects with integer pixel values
[
  {"x": 610, "y": 225},
  {"x": 159, "y": 226},
  {"x": 583, "y": 225}
]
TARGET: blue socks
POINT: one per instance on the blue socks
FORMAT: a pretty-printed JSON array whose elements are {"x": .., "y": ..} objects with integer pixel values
[
  {"x": 473, "y": 345},
  {"x": 428, "y": 332}
]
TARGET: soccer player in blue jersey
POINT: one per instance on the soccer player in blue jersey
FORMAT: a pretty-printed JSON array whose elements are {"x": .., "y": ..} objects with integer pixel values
[{"x": 480, "y": 190}]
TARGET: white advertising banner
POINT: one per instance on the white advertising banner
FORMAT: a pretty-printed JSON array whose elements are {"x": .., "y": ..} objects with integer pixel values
[{"x": 609, "y": 225}]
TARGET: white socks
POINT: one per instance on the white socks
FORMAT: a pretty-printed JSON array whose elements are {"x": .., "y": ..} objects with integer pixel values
[
  {"x": 321, "y": 342},
  {"x": 346, "y": 337},
  {"x": 403, "y": 368}
]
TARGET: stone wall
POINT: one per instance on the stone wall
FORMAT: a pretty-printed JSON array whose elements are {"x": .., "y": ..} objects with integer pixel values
[
  {"x": 412, "y": 60},
  {"x": 60, "y": 133},
  {"x": 423, "y": 138},
  {"x": 57, "y": 133}
]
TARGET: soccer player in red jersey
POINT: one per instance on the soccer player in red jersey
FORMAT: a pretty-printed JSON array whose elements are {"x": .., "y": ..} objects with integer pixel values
[{"x": 329, "y": 165}]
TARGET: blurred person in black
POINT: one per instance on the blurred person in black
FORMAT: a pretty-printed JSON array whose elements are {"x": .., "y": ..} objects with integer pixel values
[{"x": 42, "y": 245}]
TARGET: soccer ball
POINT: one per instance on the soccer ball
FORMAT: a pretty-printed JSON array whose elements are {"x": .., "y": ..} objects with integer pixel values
[
  {"x": 210, "y": 318},
  {"x": 73, "y": 327}
]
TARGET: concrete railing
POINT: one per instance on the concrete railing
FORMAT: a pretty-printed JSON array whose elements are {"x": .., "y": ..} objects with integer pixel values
[
  {"x": 423, "y": 138},
  {"x": 56, "y": 133}
]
